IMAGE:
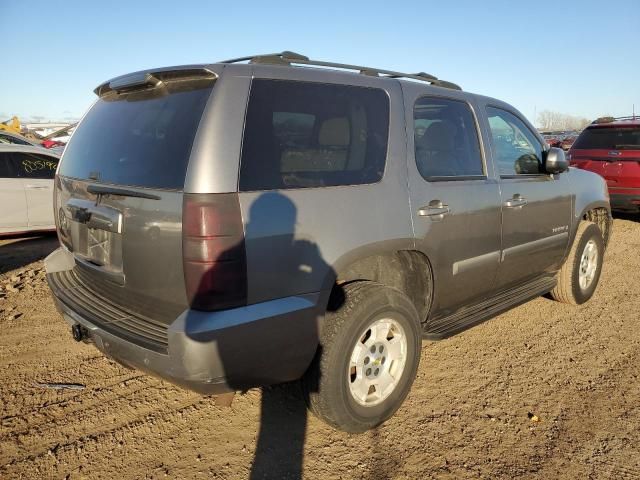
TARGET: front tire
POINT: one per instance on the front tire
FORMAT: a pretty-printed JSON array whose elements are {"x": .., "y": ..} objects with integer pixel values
[
  {"x": 579, "y": 276},
  {"x": 367, "y": 360}
]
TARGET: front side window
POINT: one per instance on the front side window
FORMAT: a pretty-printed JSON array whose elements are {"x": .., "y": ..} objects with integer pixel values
[
  {"x": 515, "y": 147},
  {"x": 446, "y": 139},
  {"x": 33, "y": 165},
  {"x": 301, "y": 134}
]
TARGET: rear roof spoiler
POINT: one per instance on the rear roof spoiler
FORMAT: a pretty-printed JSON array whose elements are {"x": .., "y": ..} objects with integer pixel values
[{"x": 152, "y": 79}]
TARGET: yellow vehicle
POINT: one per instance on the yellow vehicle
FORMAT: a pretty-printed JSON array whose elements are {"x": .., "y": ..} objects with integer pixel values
[{"x": 12, "y": 125}]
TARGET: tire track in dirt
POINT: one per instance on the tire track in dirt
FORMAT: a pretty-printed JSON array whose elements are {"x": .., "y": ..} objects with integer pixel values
[
  {"x": 127, "y": 423},
  {"x": 69, "y": 405},
  {"x": 25, "y": 395},
  {"x": 125, "y": 409}
]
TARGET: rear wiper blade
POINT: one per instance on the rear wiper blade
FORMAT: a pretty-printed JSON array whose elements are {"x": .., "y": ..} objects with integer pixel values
[{"x": 124, "y": 192}]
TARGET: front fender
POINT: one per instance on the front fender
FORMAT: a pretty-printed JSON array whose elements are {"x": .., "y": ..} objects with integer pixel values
[{"x": 590, "y": 194}]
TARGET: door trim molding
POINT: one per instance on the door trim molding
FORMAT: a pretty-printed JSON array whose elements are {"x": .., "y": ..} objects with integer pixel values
[
  {"x": 536, "y": 245},
  {"x": 467, "y": 264}
]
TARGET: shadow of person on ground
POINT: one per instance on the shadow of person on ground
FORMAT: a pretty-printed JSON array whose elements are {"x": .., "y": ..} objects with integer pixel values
[
  {"x": 277, "y": 350},
  {"x": 383, "y": 462},
  {"x": 19, "y": 251}
]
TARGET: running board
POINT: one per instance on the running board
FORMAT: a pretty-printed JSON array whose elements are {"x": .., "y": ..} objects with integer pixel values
[{"x": 471, "y": 316}]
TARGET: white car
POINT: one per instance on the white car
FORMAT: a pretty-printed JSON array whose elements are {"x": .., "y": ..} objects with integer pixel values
[{"x": 26, "y": 188}]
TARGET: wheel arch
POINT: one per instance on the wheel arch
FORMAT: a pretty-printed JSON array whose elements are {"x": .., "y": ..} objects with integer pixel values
[
  {"x": 598, "y": 212},
  {"x": 395, "y": 264}
]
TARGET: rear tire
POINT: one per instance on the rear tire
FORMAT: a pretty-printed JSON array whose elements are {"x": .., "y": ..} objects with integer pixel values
[
  {"x": 578, "y": 277},
  {"x": 367, "y": 360}
]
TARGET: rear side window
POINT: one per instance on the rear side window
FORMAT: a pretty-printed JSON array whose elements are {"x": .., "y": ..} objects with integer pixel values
[
  {"x": 139, "y": 139},
  {"x": 610, "y": 138},
  {"x": 515, "y": 147},
  {"x": 300, "y": 134},
  {"x": 446, "y": 139},
  {"x": 33, "y": 165}
]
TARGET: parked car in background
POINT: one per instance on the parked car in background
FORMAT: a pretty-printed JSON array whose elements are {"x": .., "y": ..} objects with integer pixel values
[
  {"x": 552, "y": 140},
  {"x": 26, "y": 188},
  {"x": 312, "y": 223},
  {"x": 610, "y": 147},
  {"x": 52, "y": 143},
  {"x": 567, "y": 141},
  {"x": 15, "y": 139},
  {"x": 54, "y": 146}
]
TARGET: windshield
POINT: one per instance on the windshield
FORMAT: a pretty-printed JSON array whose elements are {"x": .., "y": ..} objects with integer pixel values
[
  {"x": 609, "y": 138},
  {"x": 137, "y": 139}
]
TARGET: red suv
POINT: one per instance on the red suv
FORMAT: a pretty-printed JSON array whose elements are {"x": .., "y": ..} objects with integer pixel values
[{"x": 611, "y": 147}]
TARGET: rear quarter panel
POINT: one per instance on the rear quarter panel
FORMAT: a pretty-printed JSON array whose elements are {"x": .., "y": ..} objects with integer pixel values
[{"x": 297, "y": 239}]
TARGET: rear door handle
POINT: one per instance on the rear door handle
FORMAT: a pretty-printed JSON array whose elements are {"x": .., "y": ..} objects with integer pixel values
[
  {"x": 435, "y": 209},
  {"x": 516, "y": 202},
  {"x": 37, "y": 187}
]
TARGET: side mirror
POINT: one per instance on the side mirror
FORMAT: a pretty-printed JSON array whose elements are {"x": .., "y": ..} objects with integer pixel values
[
  {"x": 555, "y": 161},
  {"x": 527, "y": 164}
]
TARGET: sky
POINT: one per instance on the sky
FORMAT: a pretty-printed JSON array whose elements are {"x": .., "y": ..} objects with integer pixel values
[{"x": 575, "y": 57}]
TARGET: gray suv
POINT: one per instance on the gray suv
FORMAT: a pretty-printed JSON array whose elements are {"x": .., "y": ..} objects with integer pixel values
[{"x": 272, "y": 218}]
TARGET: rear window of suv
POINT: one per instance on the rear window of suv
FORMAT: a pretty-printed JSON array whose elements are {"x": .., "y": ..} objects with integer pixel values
[
  {"x": 138, "y": 139},
  {"x": 302, "y": 134},
  {"x": 609, "y": 138}
]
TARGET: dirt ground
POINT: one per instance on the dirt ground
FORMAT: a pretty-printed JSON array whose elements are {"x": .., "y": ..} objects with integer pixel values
[{"x": 471, "y": 414}]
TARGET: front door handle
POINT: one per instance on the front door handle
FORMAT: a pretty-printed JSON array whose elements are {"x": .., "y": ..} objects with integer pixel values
[
  {"x": 435, "y": 209},
  {"x": 37, "y": 187},
  {"x": 516, "y": 202}
]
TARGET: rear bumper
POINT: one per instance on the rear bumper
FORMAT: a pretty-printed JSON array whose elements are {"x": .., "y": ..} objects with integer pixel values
[
  {"x": 625, "y": 202},
  {"x": 216, "y": 352}
]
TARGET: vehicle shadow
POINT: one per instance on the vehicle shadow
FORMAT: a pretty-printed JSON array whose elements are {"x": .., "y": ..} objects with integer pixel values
[
  {"x": 18, "y": 251},
  {"x": 633, "y": 217},
  {"x": 276, "y": 351}
]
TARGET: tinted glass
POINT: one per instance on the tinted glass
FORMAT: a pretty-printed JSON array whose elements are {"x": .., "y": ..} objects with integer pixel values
[
  {"x": 6, "y": 166},
  {"x": 141, "y": 139},
  {"x": 300, "y": 134},
  {"x": 446, "y": 139},
  {"x": 515, "y": 147},
  {"x": 32, "y": 165},
  {"x": 609, "y": 138}
]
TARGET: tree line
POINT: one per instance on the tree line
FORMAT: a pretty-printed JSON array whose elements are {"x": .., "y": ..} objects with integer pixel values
[{"x": 552, "y": 121}]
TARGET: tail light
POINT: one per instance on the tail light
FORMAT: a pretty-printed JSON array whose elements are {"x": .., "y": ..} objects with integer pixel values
[
  {"x": 62, "y": 222},
  {"x": 213, "y": 251}
]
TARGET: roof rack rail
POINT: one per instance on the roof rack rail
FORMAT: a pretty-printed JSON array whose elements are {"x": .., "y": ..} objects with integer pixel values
[
  {"x": 291, "y": 58},
  {"x": 613, "y": 119}
]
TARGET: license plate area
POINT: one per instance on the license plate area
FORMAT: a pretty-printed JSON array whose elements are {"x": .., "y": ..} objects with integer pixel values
[
  {"x": 100, "y": 251},
  {"x": 96, "y": 237},
  {"x": 99, "y": 247}
]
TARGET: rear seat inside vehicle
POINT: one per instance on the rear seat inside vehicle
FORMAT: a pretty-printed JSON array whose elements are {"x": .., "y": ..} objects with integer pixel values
[{"x": 330, "y": 154}]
